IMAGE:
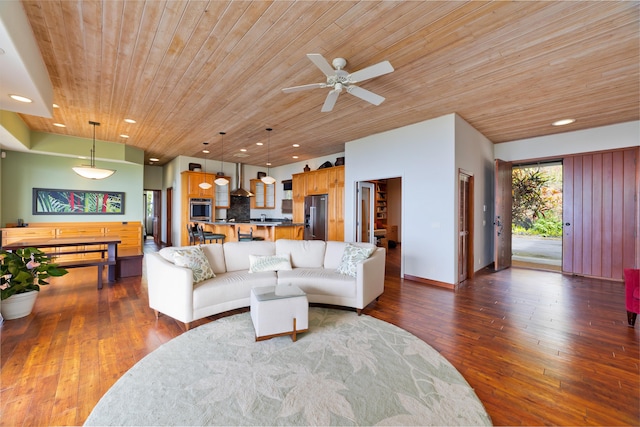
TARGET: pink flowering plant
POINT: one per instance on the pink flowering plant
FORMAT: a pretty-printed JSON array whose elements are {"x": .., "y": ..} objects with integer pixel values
[{"x": 25, "y": 270}]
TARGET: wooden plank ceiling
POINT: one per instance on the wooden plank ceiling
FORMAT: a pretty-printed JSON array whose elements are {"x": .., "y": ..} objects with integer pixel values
[{"x": 187, "y": 70}]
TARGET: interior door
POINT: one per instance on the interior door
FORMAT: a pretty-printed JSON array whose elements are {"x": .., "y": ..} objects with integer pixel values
[
  {"x": 502, "y": 212},
  {"x": 465, "y": 226},
  {"x": 365, "y": 212}
]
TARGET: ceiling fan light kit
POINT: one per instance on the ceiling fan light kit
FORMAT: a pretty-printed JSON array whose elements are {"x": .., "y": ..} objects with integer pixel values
[
  {"x": 91, "y": 171},
  {"x": 338, "y": 79}
]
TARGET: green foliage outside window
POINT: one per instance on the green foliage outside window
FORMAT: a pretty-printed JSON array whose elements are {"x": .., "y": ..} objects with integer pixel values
[{"x": 537, "y": 201}]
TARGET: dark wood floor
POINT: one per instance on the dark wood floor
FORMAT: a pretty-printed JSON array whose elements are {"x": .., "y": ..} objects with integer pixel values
[{"x": 539, "y": 348}]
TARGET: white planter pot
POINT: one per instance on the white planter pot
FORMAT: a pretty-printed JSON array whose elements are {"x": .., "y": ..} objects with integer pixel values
[{"x": 18, "y": 305}]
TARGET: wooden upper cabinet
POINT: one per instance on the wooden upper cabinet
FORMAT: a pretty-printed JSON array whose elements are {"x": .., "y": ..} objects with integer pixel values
[
  {"x": 264, "y": 195},
  {"x": 318, "y": 182},
  {"x": 223, "y": 194},
  {"x": 193, "y": 181}
]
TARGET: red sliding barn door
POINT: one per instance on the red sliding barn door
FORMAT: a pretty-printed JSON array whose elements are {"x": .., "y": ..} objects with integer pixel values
[{"x": 600, "y": 213}]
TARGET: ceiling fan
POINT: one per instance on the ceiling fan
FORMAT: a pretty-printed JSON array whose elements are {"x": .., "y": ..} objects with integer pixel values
[{"x": 338, "y": 79}]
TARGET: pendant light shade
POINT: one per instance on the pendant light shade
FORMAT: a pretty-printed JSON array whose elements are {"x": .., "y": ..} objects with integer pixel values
[
  {"x": 204, "y": 184},
  {"x": 91, "y": 171},
  {"x": 268, "y": 179},
  {"x": 221, "y": 180}
]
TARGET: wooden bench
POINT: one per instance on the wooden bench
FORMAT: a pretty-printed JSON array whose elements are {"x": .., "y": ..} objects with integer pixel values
[{"x": 101, "y": 262}]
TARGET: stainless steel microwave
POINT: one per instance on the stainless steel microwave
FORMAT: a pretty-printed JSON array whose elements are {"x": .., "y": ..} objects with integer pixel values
[{"x": 200, "y": 209}]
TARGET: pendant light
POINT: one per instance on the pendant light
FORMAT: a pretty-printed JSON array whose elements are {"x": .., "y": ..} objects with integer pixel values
[
  {"x": 204, "y": 184},
  {"x": 221, "y": 180},
  {"x": 268, "y": 179},
  {"x": 91, "y": 171}
]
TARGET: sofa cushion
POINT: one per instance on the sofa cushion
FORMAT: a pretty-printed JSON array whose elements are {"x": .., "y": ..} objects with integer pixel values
[
  {"x": 319, "y": 281},
  {"x": 229, "y": 287},
  {"x": 351, "y": 257},
  {"x": 333, "y": 255},
  {"x": 259, "y": 263},
  {"x": 193, "y": 258},
  {"x": 215, "y": 255},
  {"x": 236, "y": 254},
  {"x": 167, "y": 253},
  {"x": 304, "y": 253}
]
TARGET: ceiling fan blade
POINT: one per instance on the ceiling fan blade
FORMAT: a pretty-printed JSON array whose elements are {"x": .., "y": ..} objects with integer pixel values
[
  {"x": 365, "y": 94},
  {"x": 330, "y": 101},
  {"x": 321, "y": 63},
  {"x": 304, "y": 87},
  {"x": 371, "y": 72}
]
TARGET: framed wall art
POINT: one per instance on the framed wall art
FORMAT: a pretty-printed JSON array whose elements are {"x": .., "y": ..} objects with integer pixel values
[{"x": 48, "y": 201}]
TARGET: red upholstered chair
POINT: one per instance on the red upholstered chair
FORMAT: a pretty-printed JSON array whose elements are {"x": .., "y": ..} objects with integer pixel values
[{"x": 632, "y": 291}]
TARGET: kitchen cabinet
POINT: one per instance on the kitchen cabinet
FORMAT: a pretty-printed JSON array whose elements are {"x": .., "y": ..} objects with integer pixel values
[
  {"x": 336, "y": 204},
  {"x": 264, "y": 195},
  {"x": 298, "y": 185},
  {"x": 317, "y": 182},
  {"x": 192, "y": 182},
  {"x": 328, "y": 181},
  {"x": 222, "y": 193}
]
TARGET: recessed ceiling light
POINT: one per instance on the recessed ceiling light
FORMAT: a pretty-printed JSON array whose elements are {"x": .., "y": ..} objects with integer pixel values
[
  {"x": 268, "y": 163},
  {"x": 56, "y": 106},
  {"x": 153, "y": 159},
  {"x": 563, "y": 122},
  {"x": 122, "y": 135},
  {"x": 295, "y": 157},
  {"x": 243, "y": 150},
  {"x": 259, "y": 143},
  {"x": 129, "y": 120},
  {"x": 296, "y": 145},
  {"x": 206, "y": 151},
  {"x": 20, "y": 98},
  {"x": 60, "y": 125}
]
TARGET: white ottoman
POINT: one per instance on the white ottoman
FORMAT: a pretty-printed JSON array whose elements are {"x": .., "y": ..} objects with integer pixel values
[{"x": 279, "y": 310}]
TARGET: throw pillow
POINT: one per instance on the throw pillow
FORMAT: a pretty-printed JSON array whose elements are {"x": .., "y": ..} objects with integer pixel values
[
  {"x": 351, "y": 257},
  {"x": 258, "y": 263},
  {"x": 196, "y": 260}
]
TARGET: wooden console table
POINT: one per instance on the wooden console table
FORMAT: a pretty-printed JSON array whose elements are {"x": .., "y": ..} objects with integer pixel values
[{"x": 78, "y": 246}]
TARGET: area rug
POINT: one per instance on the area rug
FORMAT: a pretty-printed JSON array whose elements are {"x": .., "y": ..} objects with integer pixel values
[{"x": 347, "y": 370}]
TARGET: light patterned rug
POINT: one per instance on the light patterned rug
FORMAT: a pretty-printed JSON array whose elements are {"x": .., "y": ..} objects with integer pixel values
[{"x": 347, "y": 370}]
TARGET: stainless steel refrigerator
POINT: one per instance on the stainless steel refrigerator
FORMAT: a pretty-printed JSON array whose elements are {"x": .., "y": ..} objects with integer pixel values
[{"x": 315, "y": 217}]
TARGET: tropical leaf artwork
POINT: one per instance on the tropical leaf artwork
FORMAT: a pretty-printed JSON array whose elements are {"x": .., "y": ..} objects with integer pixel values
[{"x": 48, "y": 201}]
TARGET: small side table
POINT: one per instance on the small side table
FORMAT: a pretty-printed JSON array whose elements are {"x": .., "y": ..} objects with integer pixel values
[{"x": 279, "y": 310}]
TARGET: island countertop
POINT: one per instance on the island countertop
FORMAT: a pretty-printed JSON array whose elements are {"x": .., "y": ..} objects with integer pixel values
[
  {"x": 255, "y": 223},
  {"x": 268, "y": 230}
]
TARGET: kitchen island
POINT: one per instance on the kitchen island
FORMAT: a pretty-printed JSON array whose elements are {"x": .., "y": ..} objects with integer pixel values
[{"x": 268, "y": 230}]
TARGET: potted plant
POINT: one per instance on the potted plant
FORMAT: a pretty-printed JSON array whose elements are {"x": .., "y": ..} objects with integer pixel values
[{"x": 22, "y": 272}]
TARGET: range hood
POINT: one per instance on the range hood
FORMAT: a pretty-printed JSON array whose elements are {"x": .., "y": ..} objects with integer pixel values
[{"x": 240, "y": 192}]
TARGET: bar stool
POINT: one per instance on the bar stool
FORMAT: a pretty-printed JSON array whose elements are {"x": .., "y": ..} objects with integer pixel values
[
  {"x": 192, "y": 231},
  {"x": 247, "y": 237},
  {"x": 207, "y": 236}
]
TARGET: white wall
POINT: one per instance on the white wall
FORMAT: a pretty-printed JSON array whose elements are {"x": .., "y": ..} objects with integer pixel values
[
  {"x": 611, "y": 137},
  {"x": 423, "y": 156},
  {"x": 474, "y": 154}
]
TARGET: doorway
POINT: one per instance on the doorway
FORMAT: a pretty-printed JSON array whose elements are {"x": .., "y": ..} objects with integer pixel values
[
  {"x": 152, "y": 215},
  {"x": 379, "y": 214},
  {"x": 365, "y": 212},
  {"x": 537, "y": 215}
]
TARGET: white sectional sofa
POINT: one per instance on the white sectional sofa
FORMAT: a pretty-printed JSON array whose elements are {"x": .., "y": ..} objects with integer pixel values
[{"x": 313, "y": 268}]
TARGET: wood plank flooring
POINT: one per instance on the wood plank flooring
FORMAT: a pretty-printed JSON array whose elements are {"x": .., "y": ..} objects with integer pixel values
[{"x": 539, "y": 348}]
